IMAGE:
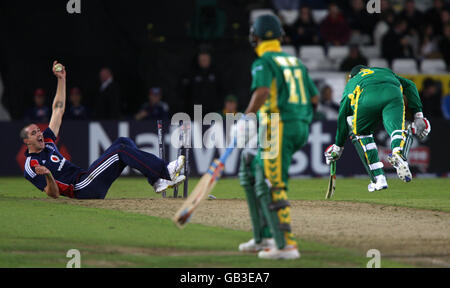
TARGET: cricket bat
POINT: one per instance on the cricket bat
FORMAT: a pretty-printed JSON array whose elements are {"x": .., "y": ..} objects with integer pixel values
[
  {"x": 409, "y": 142},
  {"x": 331, "y": 181},
  {"x": 202, "y": 190}
]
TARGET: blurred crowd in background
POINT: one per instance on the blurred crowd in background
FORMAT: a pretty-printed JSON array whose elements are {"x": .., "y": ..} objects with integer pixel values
[
  {"x": 417, "y": 29},
  {"x": 200, "y": 86},
  {"x": 412, "y": 29}
]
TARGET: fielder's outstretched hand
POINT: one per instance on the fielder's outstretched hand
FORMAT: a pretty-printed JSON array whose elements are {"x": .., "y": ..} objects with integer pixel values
[
  {"x": 42, "y": 170},
  {"x": 59, "y": 70},
  {"x": 333, "y": 153}
]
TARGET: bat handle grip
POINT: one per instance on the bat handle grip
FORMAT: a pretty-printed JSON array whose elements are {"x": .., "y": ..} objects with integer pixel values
[
  {"x": 228, "y": 151},
  {"x": 333, "y": 168}
]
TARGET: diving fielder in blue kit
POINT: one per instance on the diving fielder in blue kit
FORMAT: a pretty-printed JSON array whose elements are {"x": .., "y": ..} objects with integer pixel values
[{"x": 50, "y": 172}]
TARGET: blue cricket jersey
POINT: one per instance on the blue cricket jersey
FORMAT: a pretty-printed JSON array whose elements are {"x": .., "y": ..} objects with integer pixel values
[{"x": 64, "y": 172}]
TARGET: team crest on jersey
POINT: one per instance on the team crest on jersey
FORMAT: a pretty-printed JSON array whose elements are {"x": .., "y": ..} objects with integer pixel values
[
  {"x": 54, "y": 159},
  {"x": 34, "y": 163}
]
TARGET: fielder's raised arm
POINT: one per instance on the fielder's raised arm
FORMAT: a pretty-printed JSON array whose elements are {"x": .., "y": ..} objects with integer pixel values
[{"x": 59, "y": 103}]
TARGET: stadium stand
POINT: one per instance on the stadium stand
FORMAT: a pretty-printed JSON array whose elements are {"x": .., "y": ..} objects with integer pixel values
[
  {"x": 405, "y": 66},
  {"x": 433, "y": 66},
  {"x": 312, "y": 52},
  {"x": 231, "y": 50},
  {"x": 288, "y": 16},
  {"x": 378, "y": 62},
  {"x": 258, "y": 12},
  {"x": 319, "y": 15},
  {"x": 338, "y": 53},
  {"x": 290, "y": 50},
  {"x": 370, "y": 51}
]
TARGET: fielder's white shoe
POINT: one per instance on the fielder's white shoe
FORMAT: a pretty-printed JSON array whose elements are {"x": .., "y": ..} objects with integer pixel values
[
  {"x": 401, "y": 166},
  {"x": 252, "y": 246},
  {"x": 288, "y": 252},
  {"x": 379, "y": 185},
  {"x": 175, "y": 183},
  {"x": 163, "y": 184},
  {"x": 175, "y": 167}
]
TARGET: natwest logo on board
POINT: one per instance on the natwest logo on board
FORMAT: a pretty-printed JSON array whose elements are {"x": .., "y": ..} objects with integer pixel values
[{"x": 307, "y": 161}]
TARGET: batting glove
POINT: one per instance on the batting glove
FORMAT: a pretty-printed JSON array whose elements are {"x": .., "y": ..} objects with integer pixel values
[
  {"x": 333, "y": 153},
  {"x": 421, "y": 127}
]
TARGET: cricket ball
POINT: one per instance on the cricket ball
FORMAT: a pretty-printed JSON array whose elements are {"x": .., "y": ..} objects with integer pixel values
[{"x": 58, "y": 67}]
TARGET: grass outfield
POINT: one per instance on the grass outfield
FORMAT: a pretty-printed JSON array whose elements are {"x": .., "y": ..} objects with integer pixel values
[
  {"x": 35, "y": 233},
  {"x": 430, "y": 194}
]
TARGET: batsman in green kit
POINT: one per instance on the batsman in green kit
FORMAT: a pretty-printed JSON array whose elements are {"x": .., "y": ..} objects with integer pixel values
[
  {"x": 371, "y": 96},
  {"x": 282, "y": 94}
]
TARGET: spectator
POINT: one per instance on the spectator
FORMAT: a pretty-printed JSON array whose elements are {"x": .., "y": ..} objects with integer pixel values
[
  {"x": 334, "y": 28},
  {"x": 396, "y": 43},
  {"x": 429, "y": 47},
  {"x": 154, "y": 109},
  {"x": 327, "y": 108},
  {"x": 76, "y": 111},
  {"x": 382, "y": 27},
  {"x": 39, "y": 113},
  {"x": 305, "y": 31},
  {"x": 230, "y": 105},
  {"x": 444, "y": 45},
  {"x": 359, "y": 19},
  {"x": 445, "y": 19},
  {"x": 4, "y": 115},
  {"x": 202, "y": 85},
  {"x": 446, "y": 107},
  {"x": 208, "y": 21},
  {"x": 413, "y": 17},
  {"x": 108, "y": 104},
  {"x": 431, "y": 98},
  {"x": 354, "y": 58},
  {"x": 433, "y": 16},
  {"x": 385, "y": 7}
]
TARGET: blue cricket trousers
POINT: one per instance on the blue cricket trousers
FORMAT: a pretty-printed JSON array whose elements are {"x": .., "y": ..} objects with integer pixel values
[{"x": 95, "y": 182}]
